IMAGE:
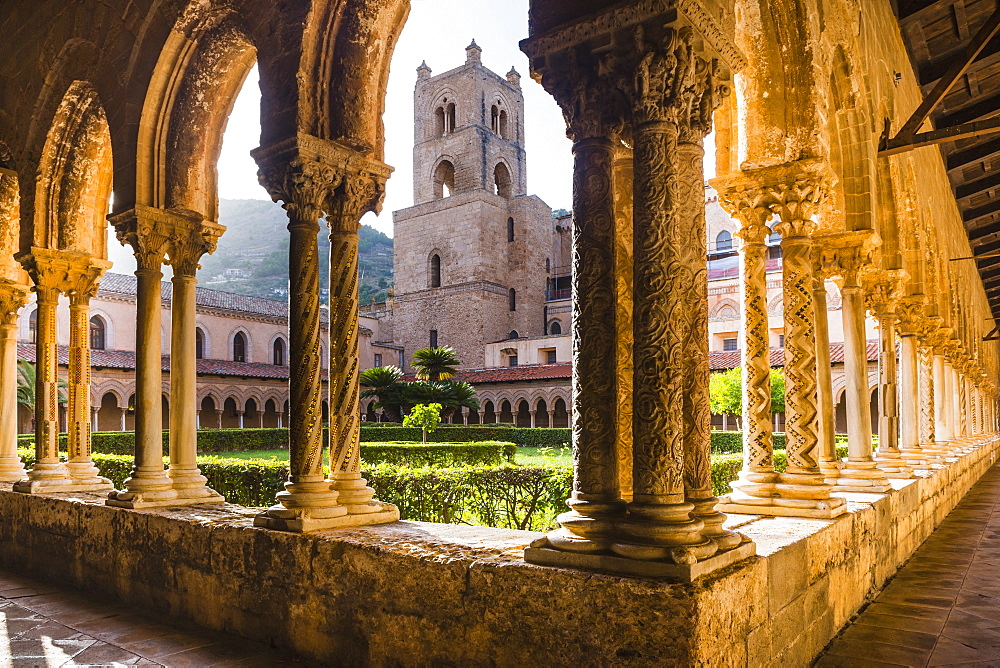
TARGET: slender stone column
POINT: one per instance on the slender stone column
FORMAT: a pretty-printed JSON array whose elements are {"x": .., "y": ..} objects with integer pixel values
[
  {"x": 218, "y": 418},
  {"x": 910, "y": 309},
  {"x": 861, "y": 472},
  {"x": 802, "y": 483},
  {"x": 883, "y": 292},
  {"x": 144, "y": 228},
  {"x": 361, "y": 190},
  {"x": 79, "y": 461},
  {"x": 942, "y": 398},
  {"x": 13, "y": 296},
  {"x": 829, "y": 462},
  {"x": 757, "y": 479},
  {"x": 122, "y": 420},
  {"x": 191, "y": 237},
  {"x": 296, "y": 174},
  {"x": 623, "y": 183}
]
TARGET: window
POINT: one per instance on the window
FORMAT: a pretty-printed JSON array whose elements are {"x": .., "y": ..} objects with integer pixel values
[
  {"x": 781, "y": 340},
  {"x": 439, "y": 114},
  {"x": 723, "y": 242},
  {"x": 548, "y": 265},
  {"x": 512, "y": 299},
  {"x": 510, "y": 231},
  {"x": 512, "y": 360},
  {"x": 774, "y": 252},
  {"x": 378, "y": 359},
  {"x": 435, "y": 271},
  {"x": 279, "y": 352},
  {"x": 239, "y": 347},
  {"x": 495, "y": 119},
  {"x": 444, "y": 179},
  {"x": 729, "y": 345},
  {"x": 97, "y": 333},
  {"x": 33, "y": 326},
  {"x": 450, "y": 117},
  {"x": 501, "y": 179},
  {"x": 199, "y": 344},
  {"x": 513, "y": 334},
  {"x": 550, "y": 357},
  {"x": 434, "y": 338},
  {"x": 555, "y": 328},
  {"x": 503, "y": 124}
]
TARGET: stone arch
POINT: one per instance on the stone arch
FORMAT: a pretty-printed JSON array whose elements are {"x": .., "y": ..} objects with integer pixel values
[
  {"x": 560, "y": 417},
  {"x": 200, "y": 70},
  {"x": 776, "y": 306},
  {"x": 10, "y": 221},
  {"x": 726, "y": 309},
  {"x": 74, "y": 183},
  {"x": 778, "y": 103},
  {"x": 351, "y": 40},
  {"x": 441, "y": 112},
  {"x": 206, "y": 339},
  {"x": 109, "y": 326},
  {"x": 850, "y": 155},
  {"x": 503, "y": 180},
  {"x": 283, "y": 338},
  {"x": 555, "y": 327},
  {"x": 444, "y": 178}
]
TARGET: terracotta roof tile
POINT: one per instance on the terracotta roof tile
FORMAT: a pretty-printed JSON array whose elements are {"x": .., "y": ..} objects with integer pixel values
[
  {"x": 717, "y": 361},
  {"x": 124, "y": 360}
]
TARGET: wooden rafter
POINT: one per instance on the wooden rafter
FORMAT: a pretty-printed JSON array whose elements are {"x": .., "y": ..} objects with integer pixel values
[{"x": 907, "y": 137}]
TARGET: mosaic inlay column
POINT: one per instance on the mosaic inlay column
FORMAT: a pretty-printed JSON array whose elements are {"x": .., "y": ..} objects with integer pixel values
[
  {"x": 191, "y": 237},
  {"x": 146, "y": 229},
  {"x": 757, "y": 478},
  {"x": 361, "y": 189},
  {"x": 910, "y": 310},
  {"x": 296, "y": 173},
  {"x": 78, "y": 459},
  {"x": 13, "y": 296}
]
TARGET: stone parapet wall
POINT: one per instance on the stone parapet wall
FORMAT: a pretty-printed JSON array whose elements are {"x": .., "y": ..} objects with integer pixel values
[{"x": 419, "y": 594}]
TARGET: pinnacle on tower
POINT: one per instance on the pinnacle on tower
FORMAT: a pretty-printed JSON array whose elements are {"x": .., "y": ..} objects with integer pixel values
[
  {"x": 514, "y": 78},
  {"x": 473, "y": 54},
  {"x": 423, "y": 72}
]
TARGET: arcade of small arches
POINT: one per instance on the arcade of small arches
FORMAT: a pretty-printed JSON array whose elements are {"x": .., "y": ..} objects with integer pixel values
[{"x": 548, "y": 409}]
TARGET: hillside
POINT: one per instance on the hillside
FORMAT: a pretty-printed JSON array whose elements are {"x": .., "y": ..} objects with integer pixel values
[{"x": 252, "y": 257}]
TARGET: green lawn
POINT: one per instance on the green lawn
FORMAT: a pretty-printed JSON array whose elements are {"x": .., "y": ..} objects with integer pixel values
[{"x": 280, "y": 455}]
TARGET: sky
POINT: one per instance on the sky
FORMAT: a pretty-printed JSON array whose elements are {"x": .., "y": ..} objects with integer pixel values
[{"x": 437, "y": 31}]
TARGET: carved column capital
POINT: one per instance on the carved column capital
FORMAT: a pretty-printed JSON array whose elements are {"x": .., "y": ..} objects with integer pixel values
[
  {"x": 13, "y": 296},
  {"x": 63, "y": 272},
  {"x": 884, "y": 289},
  {"x": 361, "y": 189},
  {"x": 743, "y": 200},
  {"x": 793, "y": 192},
  {"x": 846, "y": 254},
  {"x": 301, "y": 173},
  {"x": 189, "y": 241},
  {"x": 911, "y": 312},
  {"x": 148, "y": 231}
]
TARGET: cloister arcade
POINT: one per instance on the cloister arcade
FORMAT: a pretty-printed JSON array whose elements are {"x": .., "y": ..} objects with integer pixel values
[{"x": 132, "y": 97}]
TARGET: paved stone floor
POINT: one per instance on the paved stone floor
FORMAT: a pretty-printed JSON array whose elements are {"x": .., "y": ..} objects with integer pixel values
[
  {"x": 42, "y": 625},
  {"x": 943, "y": 607}
]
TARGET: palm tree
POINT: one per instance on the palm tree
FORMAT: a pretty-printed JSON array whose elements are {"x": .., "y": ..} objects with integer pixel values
[
  {"x": 26, "y": 385},
  {"x": 379, "y": 382},
  {"x": 435, "y": 363}
]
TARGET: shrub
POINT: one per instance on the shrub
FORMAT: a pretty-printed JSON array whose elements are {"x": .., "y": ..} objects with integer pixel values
[
  {"x": 482, "y": 453},
  {"x": 458, "y": 433}
]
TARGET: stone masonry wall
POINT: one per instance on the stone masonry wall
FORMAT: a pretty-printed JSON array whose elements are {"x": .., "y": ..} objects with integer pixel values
[{"x": 426, "y": 594}]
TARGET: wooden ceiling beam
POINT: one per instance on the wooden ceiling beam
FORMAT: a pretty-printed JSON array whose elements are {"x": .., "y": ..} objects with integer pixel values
[
  {"x": 908, "y": 8},
  {"x": 980, "y": 109},
  {"x": 955, "y": 70},
  {"x": 901, "y": 144},
  {"x": 986, "y": 151},
  {"x": 973, "y": 188},
  {"x": 979, "y": 212},
  {"x": 933, "y": 71}
]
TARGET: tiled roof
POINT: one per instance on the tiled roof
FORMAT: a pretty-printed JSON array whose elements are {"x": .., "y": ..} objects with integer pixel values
[
  {"x": 124, "y": 360},
  {"x": 717, "y": 361},
  {"x": 123, "y": 284}
]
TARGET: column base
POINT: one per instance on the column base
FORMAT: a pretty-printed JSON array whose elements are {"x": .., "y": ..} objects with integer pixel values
[
  {"x": 144, "y": 499},
  {"x": 541, "y": 553},
  {"x": 191, "y": 484},
  {"x": 919, "y": 460},
  {"x": 13, "y": 473},
  {"x": 355, "y": 495},
  {"x": 302, "y": 520},
  {"x": 825, "y": 509},
  {"x": 589, "y": 525},
  {"x": 652, "y": 531},
  {"x": 66, "y": 485}
]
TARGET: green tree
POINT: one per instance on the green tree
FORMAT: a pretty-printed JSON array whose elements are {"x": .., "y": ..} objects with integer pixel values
[
  {"x": 726, "y": 392},
  {"x": 425, "y": 416},
  {"x": 26, "y": 386},
  {"x": 379, "y": 383},
  {"x": 435, "y": 363}
]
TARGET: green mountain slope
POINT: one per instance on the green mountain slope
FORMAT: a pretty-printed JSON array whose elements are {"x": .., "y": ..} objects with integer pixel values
[{"x": 252, "y": 256}]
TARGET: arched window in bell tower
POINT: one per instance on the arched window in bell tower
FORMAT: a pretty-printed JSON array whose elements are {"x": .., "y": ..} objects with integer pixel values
[
  {"x": 502, "y": 124},
  {"x": 451, "y": 118},
  {"x": 444, "y": 179},
  {"x": 495, "y": 119},
  {"x": 501, "y": 178},
  {"x": 439, "y": 116},
  {"x": 435, "y": 277}
]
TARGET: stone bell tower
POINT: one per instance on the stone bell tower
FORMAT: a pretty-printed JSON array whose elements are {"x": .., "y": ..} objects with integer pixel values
[{"x": 470, "y": 254}]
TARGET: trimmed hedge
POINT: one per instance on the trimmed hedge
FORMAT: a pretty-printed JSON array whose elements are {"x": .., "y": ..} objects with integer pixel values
[
  {"x": 507, "y": 496},
  {"x": 482, "y": 453},
  {"x": 731, "y": 442}
]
